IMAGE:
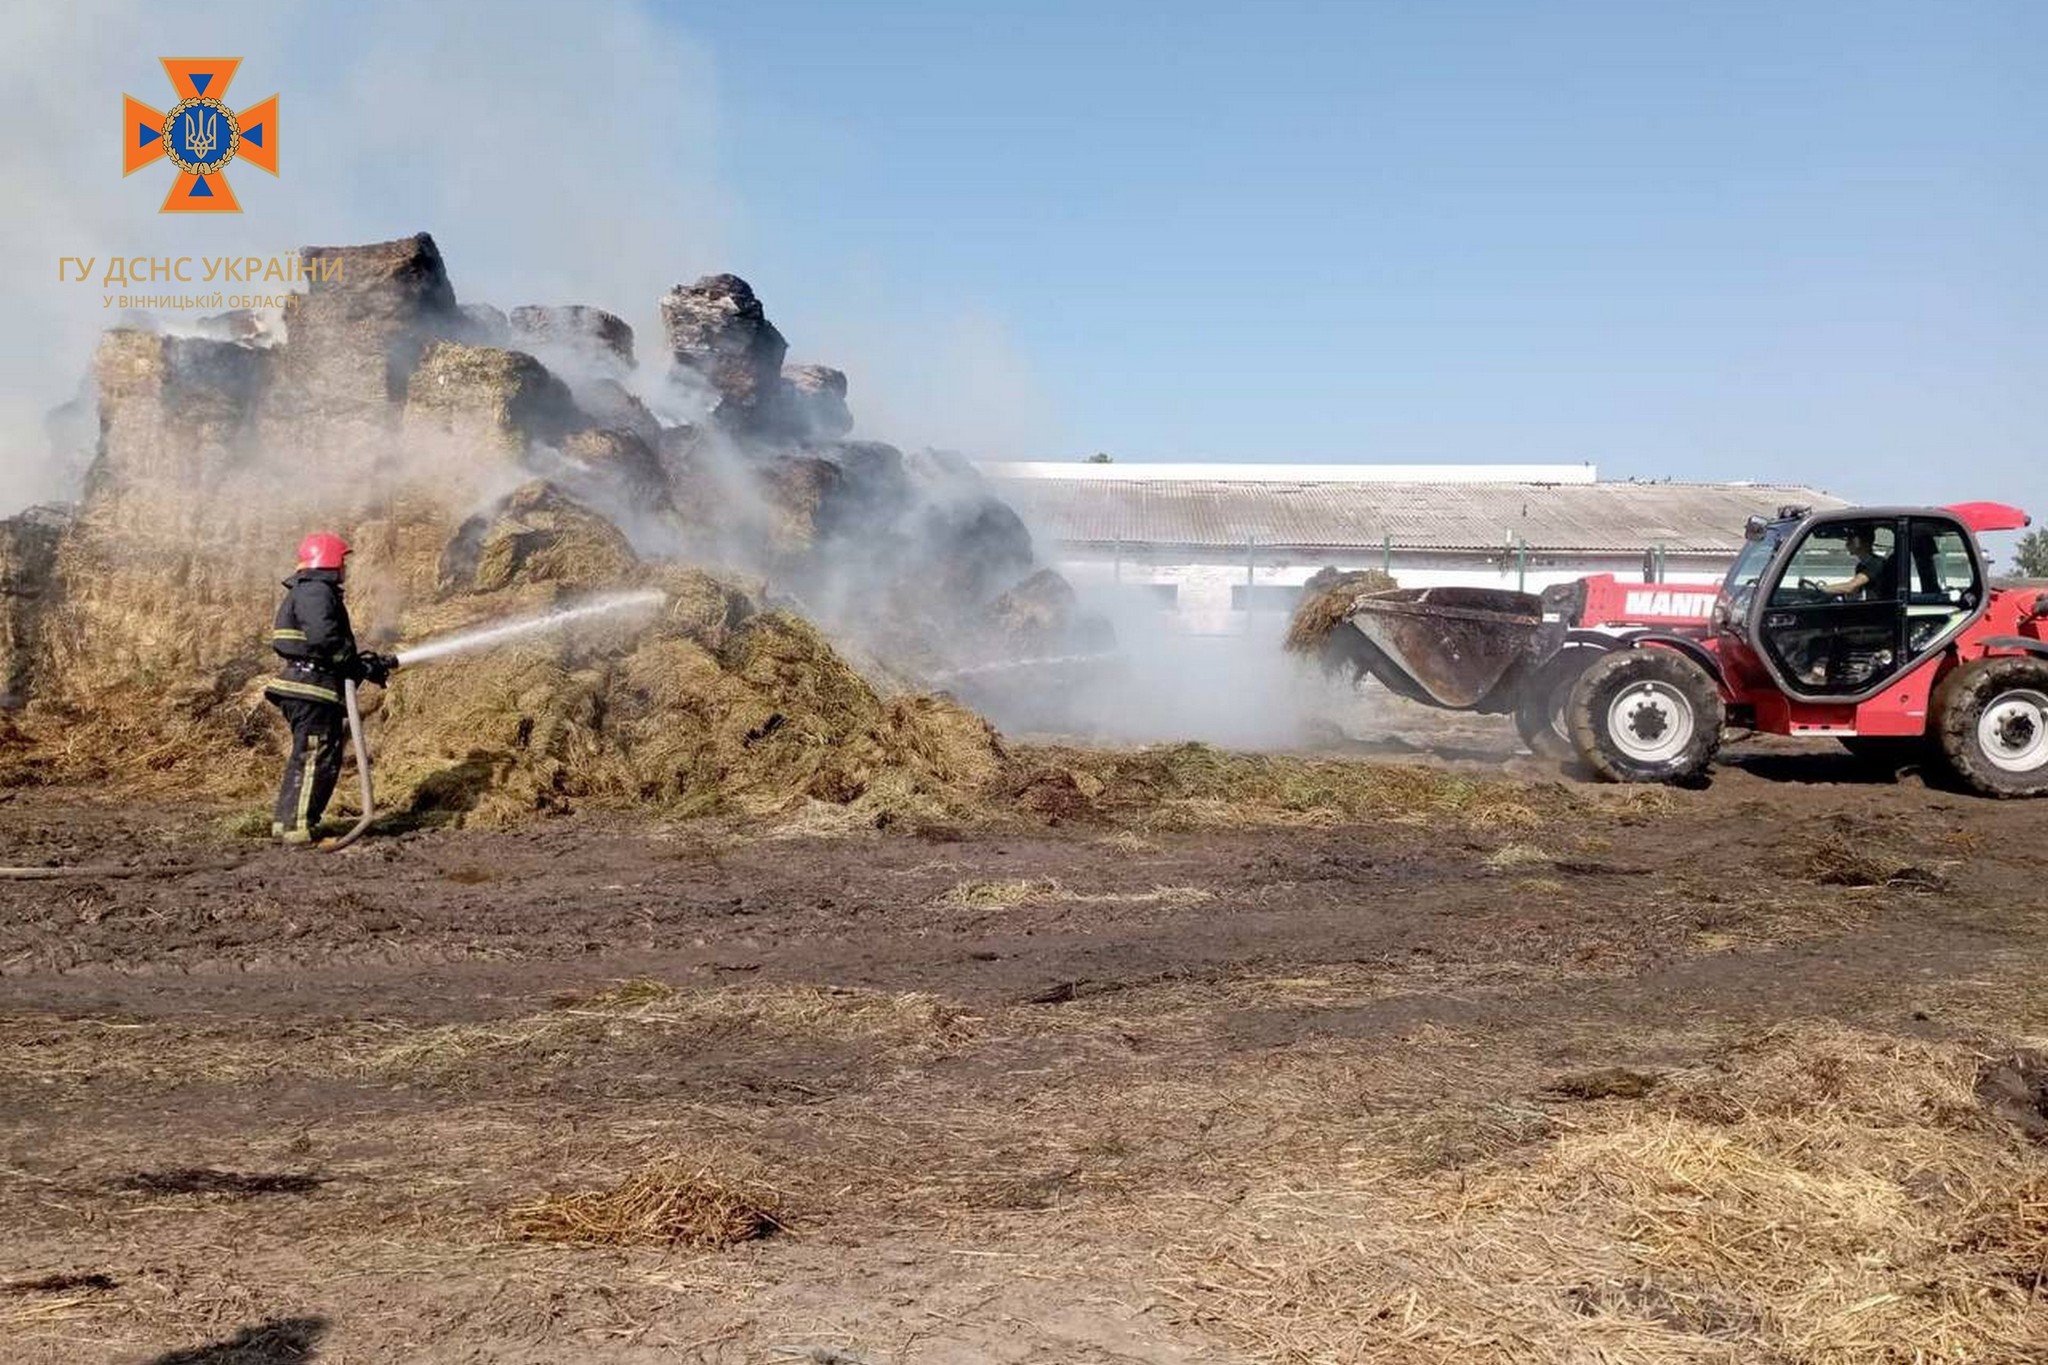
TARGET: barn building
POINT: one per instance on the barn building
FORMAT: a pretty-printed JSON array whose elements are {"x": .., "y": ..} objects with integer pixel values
[{"x": 1216, "y": 547}]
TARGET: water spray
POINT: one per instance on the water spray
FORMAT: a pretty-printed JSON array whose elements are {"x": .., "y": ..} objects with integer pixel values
[
  {"x": 1042, "y": 661},
  {"x": 461, "y": 643},
  {"x": 492, "y": 635}
]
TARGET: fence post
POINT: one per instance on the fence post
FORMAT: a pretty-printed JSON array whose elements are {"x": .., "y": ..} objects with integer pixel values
[{"x": 1251, "y": 577}]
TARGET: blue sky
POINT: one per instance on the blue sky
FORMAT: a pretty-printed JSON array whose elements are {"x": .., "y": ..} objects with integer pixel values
[{"x": 1800, "y": 239}]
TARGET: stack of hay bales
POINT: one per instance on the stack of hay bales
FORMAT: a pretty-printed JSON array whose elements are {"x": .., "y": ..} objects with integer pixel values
[{"x": 476, "y": 487}]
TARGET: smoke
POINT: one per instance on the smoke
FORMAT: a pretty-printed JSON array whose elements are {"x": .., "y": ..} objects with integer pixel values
[
  {"x": 945, "y": 378},
  {"x": 1238, "y": 690},
  {"x": 558, "y": 153}
]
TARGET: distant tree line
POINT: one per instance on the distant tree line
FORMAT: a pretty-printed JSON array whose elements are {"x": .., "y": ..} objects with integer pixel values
[{"x": 2031, "y": 559}]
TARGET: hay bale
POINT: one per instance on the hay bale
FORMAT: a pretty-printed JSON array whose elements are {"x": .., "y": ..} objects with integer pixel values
[
  {"x": 814, "y": 402},
  {"x": 590, "y": 334},
  {"x": 496, "y": 398},
  {"x": 718, "y": 331},
  {"x": 1036, "y": 615},
  {"x": 537, "y": 534},
  {"x": 609, "y": 404},
  {"x": 618, "y": 469},
  {"x": 799, "y": 491},
  {"x": 702, "y": 607},
  {"x": 28, "y": 562},
  {"x": 1327, "y": 600},
  {"x": 355, "y": 334}
]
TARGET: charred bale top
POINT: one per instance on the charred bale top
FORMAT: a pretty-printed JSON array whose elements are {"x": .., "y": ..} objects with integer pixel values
[
  {"x": 589, "y": 332},
  {"x": 718, "y": 331}
]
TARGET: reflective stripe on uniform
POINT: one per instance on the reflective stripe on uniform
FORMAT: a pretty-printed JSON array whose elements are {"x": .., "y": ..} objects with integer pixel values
[
  {"x": 309, "y": 763},
  {"x": 285, "y": 687},
  {"x": 288, "y": 634}
]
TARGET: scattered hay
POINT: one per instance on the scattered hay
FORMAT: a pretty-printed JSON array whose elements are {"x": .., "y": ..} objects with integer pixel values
[
  {"x": 646, "y": 1013},
  {"x": 1840, "y": 860},
  {"x": 46, "y": 1049},
  {"x": 624, "y": 995},
  {"x": 670, "y": 1203},
  {"x": 1007, "y": 895},
  {"x": 248, "y": 824},
  {"x": 2007, "y": 1233},
  {"x": 1817, "y": 1195},
  {"x": 1011, "y": 895},
  {"x": 1326, "y": 600},
  {"x": 1608, "y": 1083},
  {"x": 720, "y": 706},
  {"x": 1196, "y": 786},
  {"x": 1518, "y": 855}
]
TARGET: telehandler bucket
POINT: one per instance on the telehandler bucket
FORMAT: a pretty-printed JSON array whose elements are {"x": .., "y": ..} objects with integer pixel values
[{"x": 1464, "y": 649}]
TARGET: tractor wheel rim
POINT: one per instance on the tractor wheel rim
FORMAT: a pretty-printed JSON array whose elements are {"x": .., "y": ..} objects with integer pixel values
[
  {"x": 2013, "y": 731},
  {"x": 1651, "y": 722}
]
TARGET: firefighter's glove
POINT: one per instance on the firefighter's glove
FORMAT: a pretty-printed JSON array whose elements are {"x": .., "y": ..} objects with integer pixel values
[{"x": 376, "y": 667}]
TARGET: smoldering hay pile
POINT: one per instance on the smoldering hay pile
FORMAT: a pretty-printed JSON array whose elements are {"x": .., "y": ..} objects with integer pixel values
[{"x": 487, "y": 465}]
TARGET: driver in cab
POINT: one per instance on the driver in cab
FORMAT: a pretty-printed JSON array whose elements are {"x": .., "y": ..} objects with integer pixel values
[{"x": 1869, "y": 572}]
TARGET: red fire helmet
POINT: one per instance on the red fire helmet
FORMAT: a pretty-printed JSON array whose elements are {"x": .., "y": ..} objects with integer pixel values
[{"x": 322, "y": 550}]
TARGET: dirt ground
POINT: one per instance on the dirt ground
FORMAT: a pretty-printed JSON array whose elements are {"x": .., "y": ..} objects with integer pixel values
[{"x": 1452, "y": 1089}]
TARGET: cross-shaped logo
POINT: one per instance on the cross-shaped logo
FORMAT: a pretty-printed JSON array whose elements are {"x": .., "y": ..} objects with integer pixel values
[{"x": 200, "y": 135}]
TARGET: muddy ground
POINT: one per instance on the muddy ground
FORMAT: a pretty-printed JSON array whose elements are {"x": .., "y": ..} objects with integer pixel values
[{"x": 1069, "y": 1095}]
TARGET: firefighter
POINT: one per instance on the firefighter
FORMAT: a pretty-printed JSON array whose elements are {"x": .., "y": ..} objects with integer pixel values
[{"x": 313, "y": 637}]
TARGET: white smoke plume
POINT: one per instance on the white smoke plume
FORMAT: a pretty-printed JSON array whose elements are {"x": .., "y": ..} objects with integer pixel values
[{"x": 557, "y": 153}]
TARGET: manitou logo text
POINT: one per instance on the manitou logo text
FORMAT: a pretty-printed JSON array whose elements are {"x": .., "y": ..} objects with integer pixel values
[
  {"x": 1697, "y": 605},
  {"x": 200, "y": 135}
]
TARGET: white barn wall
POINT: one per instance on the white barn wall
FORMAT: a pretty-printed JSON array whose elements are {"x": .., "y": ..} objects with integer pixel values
[
  {"x": 1206, "y": 584},
  {"x": 1176, "y": 545}
]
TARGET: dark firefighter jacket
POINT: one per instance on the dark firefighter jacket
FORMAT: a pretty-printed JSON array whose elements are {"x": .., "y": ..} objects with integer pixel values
[{"x": 313, "y": 636}]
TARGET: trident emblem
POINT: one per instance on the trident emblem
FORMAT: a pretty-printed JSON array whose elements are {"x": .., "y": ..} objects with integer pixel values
[{"x": 202, "y": 127}]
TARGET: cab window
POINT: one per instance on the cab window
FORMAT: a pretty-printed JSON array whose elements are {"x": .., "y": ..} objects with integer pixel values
[
  {"x": 1849, "y": 562},
  {"x": 1943, "y": 586},
  {"x": 1749, "y": 566}
]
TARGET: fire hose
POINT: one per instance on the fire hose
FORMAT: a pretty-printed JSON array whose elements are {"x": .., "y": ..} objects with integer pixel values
[{"x": 362, "y": 748}]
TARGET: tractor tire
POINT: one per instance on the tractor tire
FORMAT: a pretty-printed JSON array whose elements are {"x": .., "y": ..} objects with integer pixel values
[
  {"x": 1991, "y": 719},
  {"x": 1543, "y": 714},
  {"x": 1647, "y": 715}
]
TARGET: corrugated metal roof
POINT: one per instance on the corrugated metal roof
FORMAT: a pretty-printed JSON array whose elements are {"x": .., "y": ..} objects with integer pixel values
[{"x": 1199, "y": 514}]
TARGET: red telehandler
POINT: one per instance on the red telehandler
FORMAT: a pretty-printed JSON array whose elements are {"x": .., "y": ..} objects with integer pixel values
[{"x": 1879, "y": 627}]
